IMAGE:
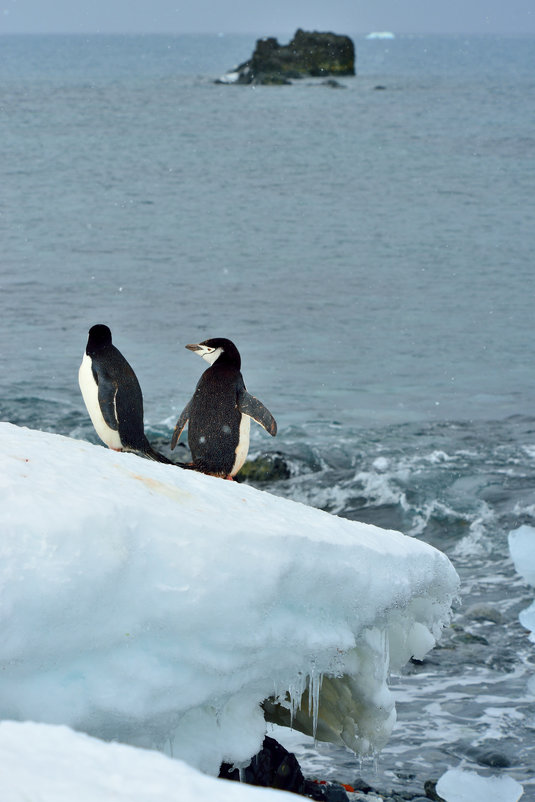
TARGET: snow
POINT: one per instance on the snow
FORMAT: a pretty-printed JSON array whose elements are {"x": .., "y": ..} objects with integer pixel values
[
  {"x": 160, "y": 608},
  {"x": 54, "y": 764},
  {"x": 457, "y": 785},
  {"x": 522, "y": 549},
  {"x": 229, "y": 78}
]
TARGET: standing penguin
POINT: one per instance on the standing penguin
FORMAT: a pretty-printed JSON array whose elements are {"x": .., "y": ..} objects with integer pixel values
[
  {"x": 220, "y": 412},
  {"x": 113, "y": 397}
]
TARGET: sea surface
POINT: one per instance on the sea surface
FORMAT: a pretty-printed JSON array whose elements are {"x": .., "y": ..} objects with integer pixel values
[{"x": 370, "y": 252}]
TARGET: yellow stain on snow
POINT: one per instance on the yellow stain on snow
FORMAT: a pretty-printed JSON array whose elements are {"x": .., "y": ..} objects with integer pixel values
[{"x": 161, "y": 488}]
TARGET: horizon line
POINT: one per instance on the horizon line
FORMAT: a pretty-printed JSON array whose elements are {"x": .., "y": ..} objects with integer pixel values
[{"x": 221, "y": 34}]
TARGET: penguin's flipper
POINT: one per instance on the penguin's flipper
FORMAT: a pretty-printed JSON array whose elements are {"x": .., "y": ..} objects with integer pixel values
[
  {"x": 181, "y": 422},
  {"x": 107, "y": 395},
  {"x": 249, "y": 405}
]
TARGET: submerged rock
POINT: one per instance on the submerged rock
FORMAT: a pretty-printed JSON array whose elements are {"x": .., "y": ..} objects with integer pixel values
[
  {"x": 333, "y": 83},
  {"x": 484, "y": 612},
  {"x": 308, "y": 54},
  {"x": 494, "y": 758},
  {"x": 265, "y": 468}
]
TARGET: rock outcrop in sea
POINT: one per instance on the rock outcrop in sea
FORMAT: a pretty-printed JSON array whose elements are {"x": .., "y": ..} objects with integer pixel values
[{"x": 310, "y": 53}]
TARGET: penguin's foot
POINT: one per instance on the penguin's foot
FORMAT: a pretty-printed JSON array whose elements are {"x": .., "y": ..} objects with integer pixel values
[{"x": 229, "y": 478}]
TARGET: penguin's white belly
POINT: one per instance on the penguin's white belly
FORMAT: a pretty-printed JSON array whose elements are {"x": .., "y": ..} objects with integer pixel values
[
  {"x": 89, "y": 389},
  {"x": 242, "y": 448}
]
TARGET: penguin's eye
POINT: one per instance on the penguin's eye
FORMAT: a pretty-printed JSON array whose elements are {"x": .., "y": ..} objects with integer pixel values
[{"x": 211, "y": 354}]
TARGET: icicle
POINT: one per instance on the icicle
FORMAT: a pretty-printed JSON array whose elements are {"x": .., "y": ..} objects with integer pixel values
[
  {"x": 294, "y": 696},
  {"x": 375, "y": 765},
  {"x": 295, "y": 692},
  {"x": 314, "y": 687}
]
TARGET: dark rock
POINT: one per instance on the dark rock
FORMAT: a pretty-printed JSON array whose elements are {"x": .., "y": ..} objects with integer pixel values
[
  {"x": 333, "y": 84},
  {"x": 265, "y": 468},
  {"x": 362, "y": 785},
  {"x": 228, "y": 772},
  {"x": 495, "y": 760},
  {"x": 325, "y": 791},
  {"x": 335, "y": 793},
  {"x": 313, "y": 790},
  {"x": 308, "y": 54},
  {"x": 275, "y": 80},
  {"x": 272, "y": 767},
  {"x": 465, "y": 637},
  {"x": 430, "y": 788},
  {"x": 275, "y": 767}
]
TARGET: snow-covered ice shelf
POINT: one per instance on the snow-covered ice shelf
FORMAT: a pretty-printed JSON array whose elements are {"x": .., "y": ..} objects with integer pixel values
[{"x": 161, "y": 608}]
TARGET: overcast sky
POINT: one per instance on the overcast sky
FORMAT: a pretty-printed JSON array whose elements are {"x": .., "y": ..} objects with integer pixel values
[{"x": 266, "y": 17}]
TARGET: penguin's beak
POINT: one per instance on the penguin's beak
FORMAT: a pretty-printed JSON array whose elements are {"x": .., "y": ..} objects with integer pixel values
[{"x": 194, "y": 347}]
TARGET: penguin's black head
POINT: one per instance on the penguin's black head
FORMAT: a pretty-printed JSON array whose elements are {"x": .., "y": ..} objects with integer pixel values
[
  {"x": 218, "y": 349},
  {"x": 99, "y": 336}
]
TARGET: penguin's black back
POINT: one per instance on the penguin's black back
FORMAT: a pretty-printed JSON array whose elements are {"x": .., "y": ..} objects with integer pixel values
[
  {"x": 214, "y": 420},
  {"x": 109, "y": 365}
]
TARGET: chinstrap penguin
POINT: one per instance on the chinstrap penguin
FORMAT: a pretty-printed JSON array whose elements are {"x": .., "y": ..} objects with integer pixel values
[
  {"x": 220, "y": 412},
  {"x": 113, "y": 397}
]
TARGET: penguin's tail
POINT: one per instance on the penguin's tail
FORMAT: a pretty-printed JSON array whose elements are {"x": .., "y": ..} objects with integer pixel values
[
  {"x": 151, "y": 453},
  {"x": 202, "y": 467},
  {"x": 157, "y": 457}
]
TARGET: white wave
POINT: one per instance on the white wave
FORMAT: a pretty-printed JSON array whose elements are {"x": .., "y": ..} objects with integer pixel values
[
  {"x": 229, "y": 78},
  {"x": 377, "y": 489},
  {"x": 431, "y": 509},
  {"x": 477, "y": 542}
]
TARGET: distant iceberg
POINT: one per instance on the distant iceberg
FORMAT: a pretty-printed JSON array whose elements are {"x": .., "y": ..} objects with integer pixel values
[
  {"x": 381, "y": 35},
  {"x": 162, "y": 608}
]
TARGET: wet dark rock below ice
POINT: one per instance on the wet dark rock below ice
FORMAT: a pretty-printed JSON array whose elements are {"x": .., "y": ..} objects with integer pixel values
[
  {"x": 265, "y": 468},
  {"x": 276, "y": 767},
  {"x": 272, "y": 767}
]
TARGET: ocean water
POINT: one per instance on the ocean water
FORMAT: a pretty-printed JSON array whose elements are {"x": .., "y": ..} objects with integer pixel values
[{"x": 369, "y": 251}]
